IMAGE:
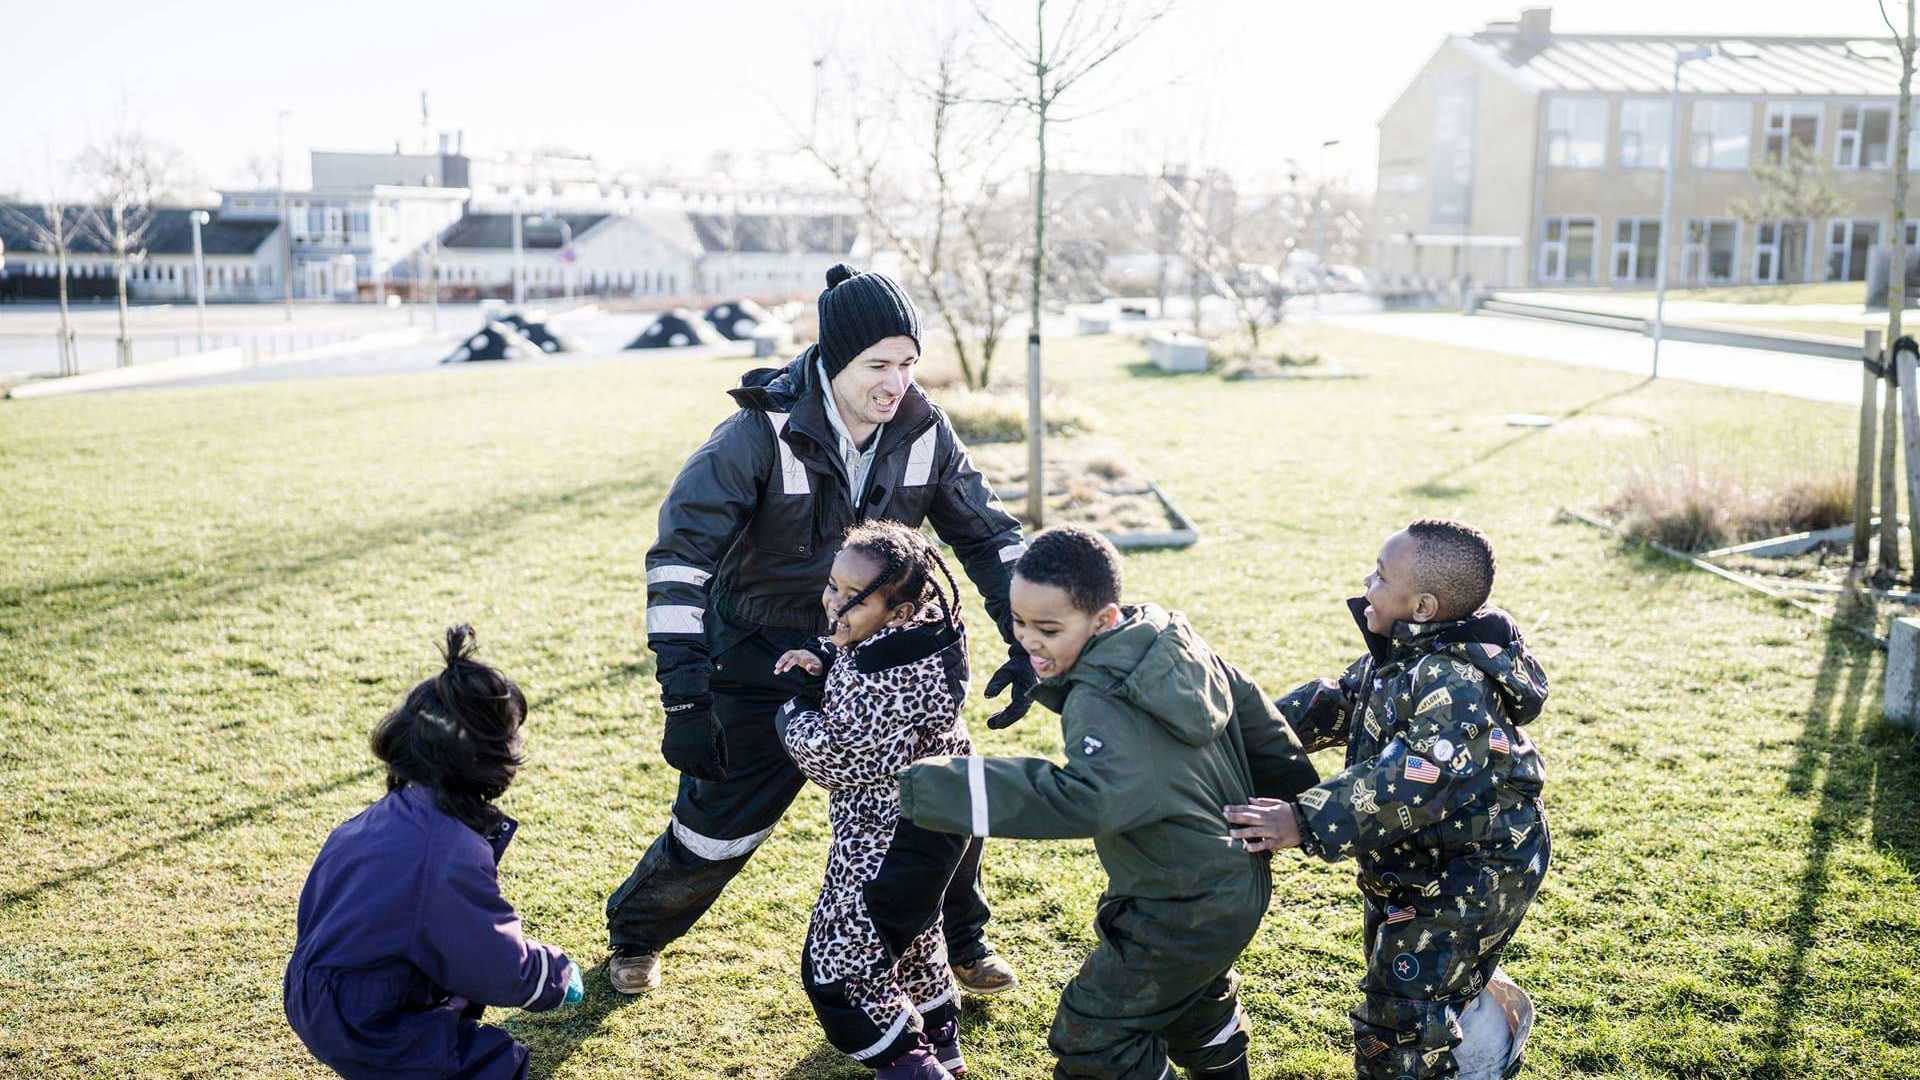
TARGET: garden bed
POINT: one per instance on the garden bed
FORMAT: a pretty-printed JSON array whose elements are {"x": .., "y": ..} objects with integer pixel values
[{"x": 1090, "y": 483}]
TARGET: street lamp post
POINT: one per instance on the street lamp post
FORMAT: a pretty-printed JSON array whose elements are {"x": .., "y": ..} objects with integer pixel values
[
  {"x": 1320, "y": 226},
  {"x": 433, "y": 266},
  {"x": 519, "y": 260},
  {"x": 199, "y": 218},
  {"x": 286, "y": 235},
  {"x": 1680, "y": 59}
]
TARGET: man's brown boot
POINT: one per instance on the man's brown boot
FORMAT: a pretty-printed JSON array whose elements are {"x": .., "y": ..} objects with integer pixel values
[
  {"x": 985, "y": 976},
  {"x": 634, "y": 974}
]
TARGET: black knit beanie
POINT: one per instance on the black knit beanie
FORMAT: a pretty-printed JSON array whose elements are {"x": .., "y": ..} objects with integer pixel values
[{"x": 858, "y": 309}]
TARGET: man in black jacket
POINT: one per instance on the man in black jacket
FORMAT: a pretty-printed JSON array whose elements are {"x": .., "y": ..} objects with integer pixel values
[{"x": 746, "y": 537}]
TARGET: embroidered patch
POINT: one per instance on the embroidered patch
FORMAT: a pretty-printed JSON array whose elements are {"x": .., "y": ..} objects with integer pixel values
[
  {"x": 1371, "y": 1047},
  {"x": 1421, "y": 770},
  {"x": 1397, "y": 915},
  {"x": 1314, "y": 798},
  {"x": 1406, "y": 816},
  {"x": 1091, "y": 746},
  {"x": 1519, "y": 835},
  {"x": 1362, "y": 798},
  {"x": 1439, "y": 699},
  {"x": 1406, "y": 967},
  {"x": 1491, "y": 650},
  {"x": 1442, "y": 751}
]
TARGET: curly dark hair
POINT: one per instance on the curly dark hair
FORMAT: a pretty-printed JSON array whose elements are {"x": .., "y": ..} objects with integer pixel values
[
  {"x": 907, "y": 562},
  {"x": 457, "y": 734},
  {"x": 1076, "y": 560},
  {"x": 1453, "y": 561}
]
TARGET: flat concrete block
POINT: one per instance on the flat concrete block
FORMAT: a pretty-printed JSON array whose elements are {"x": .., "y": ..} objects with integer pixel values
[
  {"x": 1176, "y": 352},
  {"x": 1091, "y": 326},
  {"x": 1902, "y": 705}
]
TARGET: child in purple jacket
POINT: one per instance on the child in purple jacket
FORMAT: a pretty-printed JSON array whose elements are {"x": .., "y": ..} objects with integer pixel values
[{"x": 403, "y": 936}]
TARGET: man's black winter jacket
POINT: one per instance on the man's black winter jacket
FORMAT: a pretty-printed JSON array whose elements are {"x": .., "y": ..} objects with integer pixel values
[{"x": 752, "y": 523}]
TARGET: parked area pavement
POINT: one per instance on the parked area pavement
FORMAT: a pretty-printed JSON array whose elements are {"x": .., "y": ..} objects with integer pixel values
[{"x": 1810, "y": 377}]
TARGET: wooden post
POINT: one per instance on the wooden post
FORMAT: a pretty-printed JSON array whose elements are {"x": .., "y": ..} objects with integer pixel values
[
  {"x": 1863, "y": 477},
  {"x": 1908, "y": 367},
  {"x": 1889, "y": 482}
]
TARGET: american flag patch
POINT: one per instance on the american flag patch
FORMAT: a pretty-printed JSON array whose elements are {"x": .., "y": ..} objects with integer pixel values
[
  {"x": 1419, "y": 768},
  {"x": 1399, "y": 914},
  {"x": 1372, "y": 1047},
  {"x": 1497, "y": 740}
]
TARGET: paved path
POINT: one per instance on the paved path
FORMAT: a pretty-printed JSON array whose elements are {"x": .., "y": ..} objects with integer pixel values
[{"x": 1811, "y": 377}]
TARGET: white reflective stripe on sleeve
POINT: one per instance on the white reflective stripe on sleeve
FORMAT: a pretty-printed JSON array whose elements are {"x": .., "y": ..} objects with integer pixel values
[
  {"x": 1012, "y": 552},
  {"x": 977, "y": 793},
  {"x": 899, "y": 1025},
  {"x": 714, "y": 850},
  {"x": 1225, "y": 1033},
  {"x": 541, "y": 983},
  {"x": 688, "y": 574},
  {"x": 675, "y": 619},
  {"x": 793, "y": 475},
  {"x": 920, "y": 459}
]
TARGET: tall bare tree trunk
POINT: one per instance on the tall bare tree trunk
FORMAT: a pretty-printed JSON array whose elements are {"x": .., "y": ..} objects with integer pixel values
[
  {"x": 1036, "y": 424},
  {"x": 125, "y": 345},
  {"x": 69, "y": 359},
  {"x": 1897, "y": 263}
]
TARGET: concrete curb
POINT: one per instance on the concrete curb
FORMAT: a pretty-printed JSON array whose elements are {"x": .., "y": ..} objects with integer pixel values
[{"x": 216, "y": 362}]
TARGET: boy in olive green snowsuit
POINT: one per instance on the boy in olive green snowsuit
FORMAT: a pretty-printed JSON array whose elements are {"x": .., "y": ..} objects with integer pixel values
[{"x": 1161, "y": 734}]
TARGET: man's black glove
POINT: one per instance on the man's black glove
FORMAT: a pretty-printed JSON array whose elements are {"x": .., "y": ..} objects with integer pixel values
[
  {"x": 694, "y": 743},
  {"x": 1017, "y": 672}
]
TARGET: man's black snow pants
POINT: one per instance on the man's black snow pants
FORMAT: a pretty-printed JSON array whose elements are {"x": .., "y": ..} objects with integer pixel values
[{"x": 717, "y": 825}]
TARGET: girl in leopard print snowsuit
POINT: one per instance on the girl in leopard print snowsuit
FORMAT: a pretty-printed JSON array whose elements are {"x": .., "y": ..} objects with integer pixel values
[{"x": 886, "y": 691}]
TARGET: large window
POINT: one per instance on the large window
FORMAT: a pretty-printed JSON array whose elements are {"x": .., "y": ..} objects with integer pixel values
[
  {"x": 1708, "y": 256},
  {"x": 1866, "y": 137},
  {"x": 1791, "y": 123},
  {"x": 1645, "y": 133},
  {"x": 1636, "y": 249},
  {"x": 1722, "y": 134},
  {"x": 1780, "y": 252},
  {"x": 1566, "y": 249},
  {"x": 1848, "y": 244},
  {"x": 1577, "y": 133}
]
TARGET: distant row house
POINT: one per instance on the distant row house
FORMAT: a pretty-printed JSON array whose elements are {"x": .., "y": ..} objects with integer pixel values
[
  {"x": 375, "y": 225},
  {"x": 1523, "y": 156}
]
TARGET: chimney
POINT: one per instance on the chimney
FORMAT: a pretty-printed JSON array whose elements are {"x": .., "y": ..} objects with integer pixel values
[
  {"x": 1536, "y": 27},
  {"x": 445, "y": 142}
]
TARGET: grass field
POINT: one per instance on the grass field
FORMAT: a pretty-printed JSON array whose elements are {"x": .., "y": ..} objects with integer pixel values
[
  {"x": 209, "y": 596},
  {"x": 1811, "y": 292}
]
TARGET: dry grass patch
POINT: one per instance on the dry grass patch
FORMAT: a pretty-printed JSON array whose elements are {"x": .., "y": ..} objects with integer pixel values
[{"x": 1696, "y": 507}]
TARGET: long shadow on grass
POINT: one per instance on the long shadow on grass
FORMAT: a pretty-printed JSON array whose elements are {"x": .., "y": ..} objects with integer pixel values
[
  {"x": 1438, "y": 485},
  {"x": 246, "y": 816},
  {"x": 1856, "y": 769},
  {"x": 135, "y": 601}
]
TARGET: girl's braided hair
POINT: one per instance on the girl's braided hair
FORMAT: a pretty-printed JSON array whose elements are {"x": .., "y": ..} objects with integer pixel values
[{"x": 907, "y": 561}]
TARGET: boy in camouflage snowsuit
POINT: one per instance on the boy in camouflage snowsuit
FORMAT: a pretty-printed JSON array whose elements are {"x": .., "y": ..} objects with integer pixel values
[{"x": 1440, "y": 801}]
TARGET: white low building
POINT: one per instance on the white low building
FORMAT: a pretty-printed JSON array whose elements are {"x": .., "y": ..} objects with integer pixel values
[{"x": 241, "y": 255}]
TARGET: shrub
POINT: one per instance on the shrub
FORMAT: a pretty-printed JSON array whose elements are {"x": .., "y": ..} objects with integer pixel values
[
  {"x": 983, "y": 416},
  {"x": 1695, "y": 507}
]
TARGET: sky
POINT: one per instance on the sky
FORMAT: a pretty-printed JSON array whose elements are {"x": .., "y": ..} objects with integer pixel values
[{"x": 1251, "y": 86}]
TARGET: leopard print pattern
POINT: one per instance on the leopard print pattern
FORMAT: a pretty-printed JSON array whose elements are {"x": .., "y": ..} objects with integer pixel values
[{"x": 869, "y": 728}]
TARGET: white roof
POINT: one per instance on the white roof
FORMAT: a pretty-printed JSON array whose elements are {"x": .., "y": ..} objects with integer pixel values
[{"x": 1643, "y": 63}]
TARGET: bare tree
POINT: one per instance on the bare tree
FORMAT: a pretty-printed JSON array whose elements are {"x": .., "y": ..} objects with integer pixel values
[
  {"x": 1043, "y": 73},
  {"x": 1897, "y": 262},
  {"x": 52, "y": 227},
  {"x": 950, "y": 228},
  {"x": 1217, "y": 239},
  {"x": 130, "y": 173}
]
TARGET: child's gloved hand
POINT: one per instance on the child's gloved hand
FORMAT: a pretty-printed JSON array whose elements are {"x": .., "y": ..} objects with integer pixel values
[{"x": 576, "y": 990}]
